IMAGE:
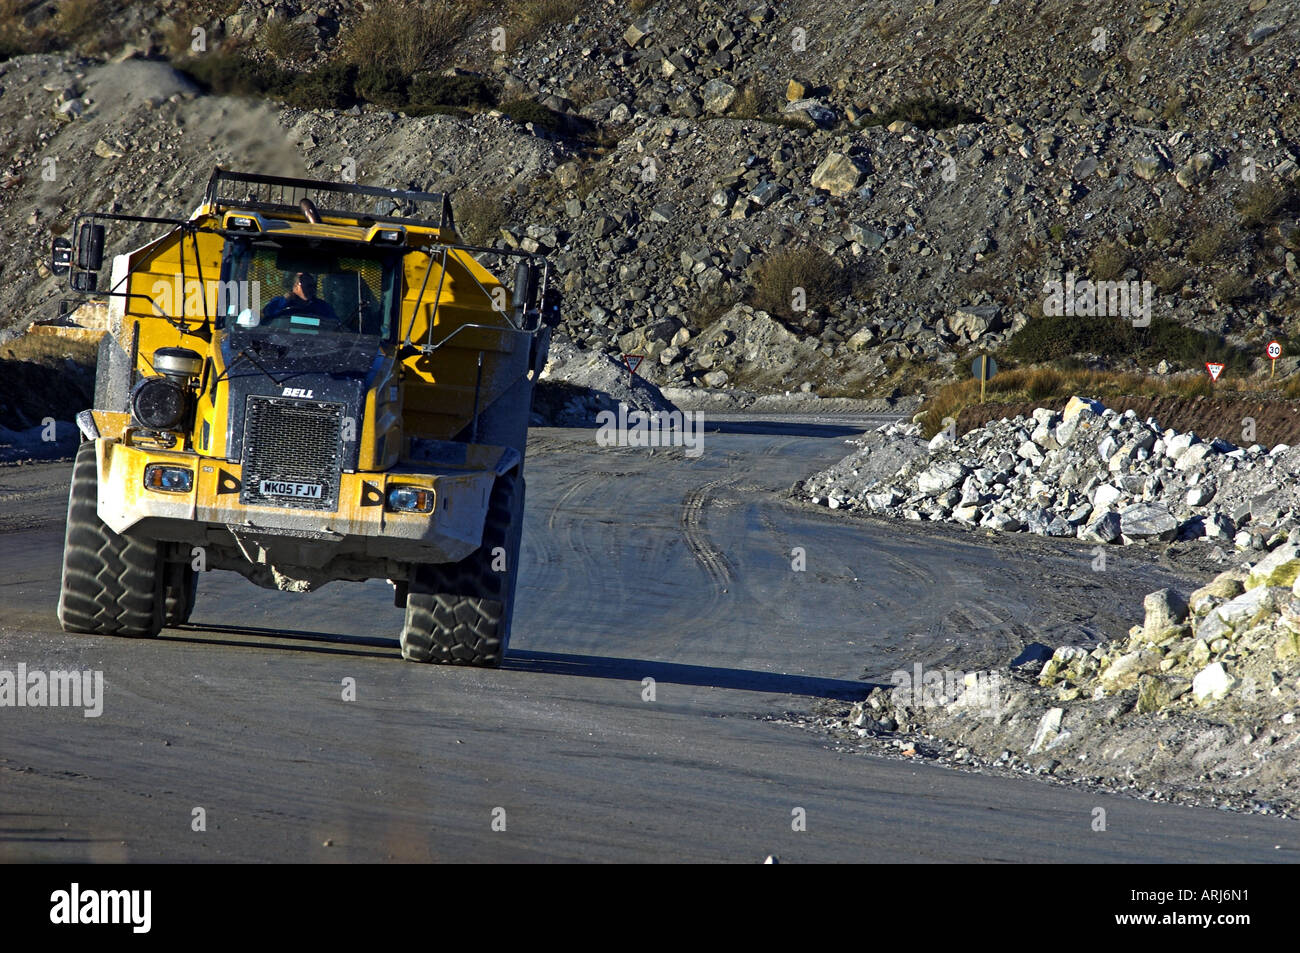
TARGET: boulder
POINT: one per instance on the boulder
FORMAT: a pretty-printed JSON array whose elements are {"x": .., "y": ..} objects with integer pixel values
[
  {"x": 718, "y": 95},
  {"x": 1278, "y": 568},
  {"x": 1104, "y": 529},
  {"x": 1165, "y": 609},
  {"x": 1143, "y": 521},
  {"x": 1077, "y": 405},
  {"x": 1212, "y": 683},
  {"x": 838, "y": 174},
  {"x": 940, "y": 477}
]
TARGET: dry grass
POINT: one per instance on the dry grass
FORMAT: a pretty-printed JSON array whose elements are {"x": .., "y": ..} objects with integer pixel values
[
  {"x": 784, "y": 273},
  {"x": 1161, "y": 229},
  {"x": 1108, "y": 260},
  {"x": 589, "y": 89},
  {"x": 50, "y": 350},
  {"x": 1209, "y": 243},
  {"x": 1194, "y": 19},
  {"x": 407, "y": 34},
  {"x": 710, "y": 306},
  {"x": 287, "y": 40},
  {"x": 751, "y": 103},
  {"x": 479, "y": 217},
  {"x": 1036, "y": 384},
  {"x": 1260, "y": 203},
  {"x": 528, "y": 18},
  {"x": 1232, "y": 287},
  {"x": 1168, "y": 277},
  {"x": 890, "y": 26}
]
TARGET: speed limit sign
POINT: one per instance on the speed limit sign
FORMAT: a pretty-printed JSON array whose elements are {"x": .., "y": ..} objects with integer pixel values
[{"x": 1274, "y": 350}]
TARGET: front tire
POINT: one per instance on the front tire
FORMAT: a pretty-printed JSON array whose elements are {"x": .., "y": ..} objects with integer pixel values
[
  {"x": 112, "y": 584},
  {"x": 460, "y": 613}
]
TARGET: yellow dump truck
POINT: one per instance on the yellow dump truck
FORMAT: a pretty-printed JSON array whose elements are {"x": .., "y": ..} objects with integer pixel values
[{"x": 305, "y": 382}]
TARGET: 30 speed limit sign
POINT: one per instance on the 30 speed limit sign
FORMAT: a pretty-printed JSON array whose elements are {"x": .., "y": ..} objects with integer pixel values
[{"x": 1274, "y": 350}]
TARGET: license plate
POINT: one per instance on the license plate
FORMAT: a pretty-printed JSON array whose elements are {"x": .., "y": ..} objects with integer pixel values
[{"x": 307, "y": 491}]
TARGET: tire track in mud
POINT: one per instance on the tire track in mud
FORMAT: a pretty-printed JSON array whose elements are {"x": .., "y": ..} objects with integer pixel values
[{"x": 709, "y": 557}]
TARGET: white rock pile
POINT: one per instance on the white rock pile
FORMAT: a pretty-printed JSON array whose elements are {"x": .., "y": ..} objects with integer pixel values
[{"x": 1086, "y": 472}]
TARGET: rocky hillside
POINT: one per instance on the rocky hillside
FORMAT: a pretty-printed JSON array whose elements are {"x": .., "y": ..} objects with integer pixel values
[{"x": 888, "y": 185}]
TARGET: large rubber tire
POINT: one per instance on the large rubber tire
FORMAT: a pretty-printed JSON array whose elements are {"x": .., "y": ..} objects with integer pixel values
[
  {"x": 180, "y": 588},
  {"x": 111, "y": 584},
  {"x": 460, "y": 613}
]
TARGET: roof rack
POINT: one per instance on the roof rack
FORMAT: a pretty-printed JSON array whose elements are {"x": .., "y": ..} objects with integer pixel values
[{"x": 274, "y": 193}]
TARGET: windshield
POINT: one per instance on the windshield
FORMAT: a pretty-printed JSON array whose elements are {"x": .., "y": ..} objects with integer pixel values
[{"x": 308, "y": 290}]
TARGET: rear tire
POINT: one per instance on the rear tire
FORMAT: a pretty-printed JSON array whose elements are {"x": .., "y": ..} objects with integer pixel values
[
  {"x": 460, "y": 613},
  {"x": 112, "y": 584},
  {"x": 180, "y": 589}
]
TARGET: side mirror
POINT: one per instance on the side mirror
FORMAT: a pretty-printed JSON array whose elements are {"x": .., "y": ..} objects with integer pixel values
[
  {"x": 90, "y": 247},
  {"x": 525, "y": 293},
  {"x": 86, "y": 281},
  {"x": 60, "y": 256}
]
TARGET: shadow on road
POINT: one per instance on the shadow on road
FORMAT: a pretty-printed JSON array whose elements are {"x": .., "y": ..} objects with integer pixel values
[
  {"x": 599, "y": 666},
  {"x": 774, "y": 428},
  {"x": 550, "y": 663},
  {"x": 337, "y": 644}
]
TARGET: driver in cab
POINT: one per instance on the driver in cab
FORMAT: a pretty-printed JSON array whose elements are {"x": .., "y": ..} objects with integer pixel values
[{"x": 301, "y": 300}]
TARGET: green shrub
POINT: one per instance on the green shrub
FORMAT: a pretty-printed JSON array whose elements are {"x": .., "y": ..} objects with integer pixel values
[
  {"x": 1052, "y": 338},
  {"x": 463, "y": 91},
  {"x": 383, "y": 85},
  {"x": 928, "y": 112},
  {"x": 329, "y": 86},
  {"x": 1055, "y": 338},
  {"x": 529, "y": 110},
  {"x": 235, "y": 74}
]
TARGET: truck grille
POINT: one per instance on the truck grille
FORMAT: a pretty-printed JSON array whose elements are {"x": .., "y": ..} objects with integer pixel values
[{"x": 293, "y": 452}]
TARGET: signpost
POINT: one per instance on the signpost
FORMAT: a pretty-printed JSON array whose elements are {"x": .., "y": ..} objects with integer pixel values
[
  {"x": 983, "y": 367},
  {"x": 633, "y": 361},
  {"x": 1214, "y": 369},
  {"x": 1274, "y": 351}
]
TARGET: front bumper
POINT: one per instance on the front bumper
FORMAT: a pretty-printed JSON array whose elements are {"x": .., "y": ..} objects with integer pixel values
[{"x": 361, "y": 523}]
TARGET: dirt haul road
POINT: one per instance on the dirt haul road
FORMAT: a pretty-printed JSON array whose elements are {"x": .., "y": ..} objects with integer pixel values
[{"x": 638, "y": 565}]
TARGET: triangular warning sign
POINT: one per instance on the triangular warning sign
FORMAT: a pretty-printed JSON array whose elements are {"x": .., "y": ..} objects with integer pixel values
[
  {"x": 633, "y": 361},
  {"x": 1214, "y": 369}
]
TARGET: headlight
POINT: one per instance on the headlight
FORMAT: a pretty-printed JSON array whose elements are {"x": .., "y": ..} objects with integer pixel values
[
  {"x": 158, "y": 403},
  {"x": 168, "y": 479},
  {"x": 410, "y": 499}
]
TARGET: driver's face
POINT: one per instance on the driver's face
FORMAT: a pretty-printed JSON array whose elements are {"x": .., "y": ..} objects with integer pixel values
[{"x": 304, "y": 287}]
